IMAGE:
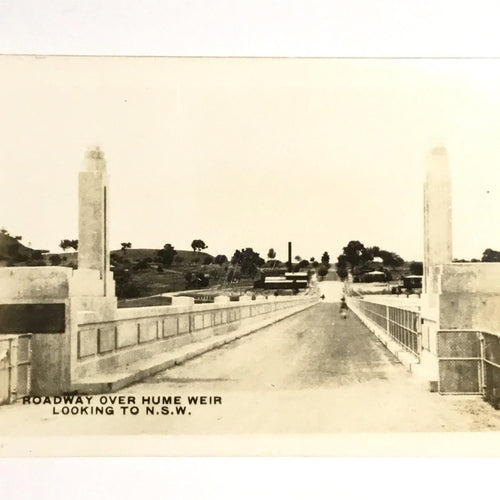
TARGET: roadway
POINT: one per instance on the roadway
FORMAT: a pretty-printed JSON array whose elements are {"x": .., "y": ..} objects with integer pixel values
[
  {"x": 314, "y": 372},
  {"x": 310, "y": 373}
]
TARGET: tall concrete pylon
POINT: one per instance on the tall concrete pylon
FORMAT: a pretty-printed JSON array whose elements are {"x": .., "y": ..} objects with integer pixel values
[
  {"x": 93, "y": 227},
  {"x": 437, "y": 214}
]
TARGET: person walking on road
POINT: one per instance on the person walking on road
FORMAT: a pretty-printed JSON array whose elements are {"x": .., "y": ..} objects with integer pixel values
[{"x": 343, "y": 308}]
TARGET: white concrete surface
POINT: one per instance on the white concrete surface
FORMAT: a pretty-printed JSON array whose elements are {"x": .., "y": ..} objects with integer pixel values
[{"x": 332, "y": 290}]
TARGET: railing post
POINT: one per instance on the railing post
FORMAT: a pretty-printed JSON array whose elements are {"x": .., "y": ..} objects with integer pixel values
[
  {"x": 482, "y": 375},
  {"x": 13, "y": 357},
  {"x": 387, "y": 320}
]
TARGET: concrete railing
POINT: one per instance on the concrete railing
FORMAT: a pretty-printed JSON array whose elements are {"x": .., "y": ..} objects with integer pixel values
[
  {"x": 401, "y": 324},
  {"x": 138, "y": 333}
]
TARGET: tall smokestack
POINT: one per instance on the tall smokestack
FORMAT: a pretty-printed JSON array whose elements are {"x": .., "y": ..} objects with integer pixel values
[{"x": 289, "y": 257}]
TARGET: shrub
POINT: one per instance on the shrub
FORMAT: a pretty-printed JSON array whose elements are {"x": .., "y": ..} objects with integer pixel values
[{"x": 55, "y": 260}]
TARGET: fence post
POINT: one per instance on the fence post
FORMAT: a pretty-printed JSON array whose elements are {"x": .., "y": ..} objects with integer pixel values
[
  {"x": 387, "y": 320},
  {"x": 13, "y": 355},
  {"x": 482, "y": 367}
]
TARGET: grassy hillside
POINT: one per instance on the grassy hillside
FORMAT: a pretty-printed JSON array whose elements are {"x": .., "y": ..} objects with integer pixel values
[
  {"x": 135, "y": 255},
  {"x": 14, "y": 251}
]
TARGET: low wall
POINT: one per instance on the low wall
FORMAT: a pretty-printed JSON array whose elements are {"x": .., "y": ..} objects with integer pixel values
[{"x": 139, "y": 333}]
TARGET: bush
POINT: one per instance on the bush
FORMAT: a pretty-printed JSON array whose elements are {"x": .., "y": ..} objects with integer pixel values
[
  {"x": 55, "y": 260},
  {"x": 116, "y": 258},
  {"x": 130, "y": 291},
  {"x": 322, "y": 270},
  {"x": 142, "y": 264},
  {"x": 160, "y": 269}
]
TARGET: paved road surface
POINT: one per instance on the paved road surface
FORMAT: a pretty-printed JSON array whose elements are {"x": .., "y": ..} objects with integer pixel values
[{"x": 310, "y": 373}]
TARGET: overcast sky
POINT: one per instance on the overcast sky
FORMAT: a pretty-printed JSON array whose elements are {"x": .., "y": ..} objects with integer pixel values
[{"x": 251, "y": 152}]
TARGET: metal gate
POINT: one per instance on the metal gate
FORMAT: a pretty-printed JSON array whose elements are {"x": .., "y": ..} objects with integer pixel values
[
  {"x": 15, "y": 367},
  {"x": 491, "y": 368},
  {"x": 460, "y": 362},
  {"x": 469, "y": 363}
]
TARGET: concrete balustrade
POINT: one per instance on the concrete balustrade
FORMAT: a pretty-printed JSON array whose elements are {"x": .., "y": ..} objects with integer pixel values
[{"x": 139, "y": 333}]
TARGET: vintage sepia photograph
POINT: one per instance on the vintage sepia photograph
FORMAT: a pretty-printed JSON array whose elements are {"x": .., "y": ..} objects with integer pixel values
[{"x": 224, "y": 246}]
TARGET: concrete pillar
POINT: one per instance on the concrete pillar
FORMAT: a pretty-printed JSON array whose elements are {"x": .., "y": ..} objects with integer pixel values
[
  {"x": 93, "y": 228},
  {"x": 437, "y": 253},
  {"x": 437, "y": 214}
]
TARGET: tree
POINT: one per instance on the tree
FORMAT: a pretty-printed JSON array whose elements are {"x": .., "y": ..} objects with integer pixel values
[
  {"x": 355, "y": 256},
  {"x": 271, "y": 254},
  {"x": 490, "y": 255},
  {"x": 55, "y": 259},
  {"x": 248, "y": 260},
  {"x": 342, "y": 267},
  {"x": 65, "y": 244},
  {"x": 373, "y": 252},
  {"x": 416, "y": 268},
  {"x": 208, "y": 260},
  {"x": 220, "y": 259},
  {"x": 167, "y": 254},
  {"x": 18, "y": 238},
  {"x": 198, "y": 245},
  {"x": 125, "y": 246},
  {"x": 322, "y": 270},
  {"x": 302, "y": 264},
  {"x": 356, "y": 253},
  {"x": 237, "y": 257},
  {"x": 391, "y": 259},
  {"x": 325, "y": 259}
]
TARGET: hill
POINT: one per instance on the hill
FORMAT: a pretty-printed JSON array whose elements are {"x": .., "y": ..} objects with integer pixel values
[
  {"x": 187, "y": 257},
  {"x": 13, "y": 250},
  {"x": 137, "y": 254}
]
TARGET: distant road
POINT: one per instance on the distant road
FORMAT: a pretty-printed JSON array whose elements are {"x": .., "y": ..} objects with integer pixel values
[{"x": 332, "y": 290}]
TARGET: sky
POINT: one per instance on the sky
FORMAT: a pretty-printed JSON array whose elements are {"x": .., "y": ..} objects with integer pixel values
[{"x": 249, "y": 152}]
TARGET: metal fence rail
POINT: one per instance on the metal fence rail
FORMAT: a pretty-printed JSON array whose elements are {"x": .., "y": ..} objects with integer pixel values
[
  {"x": 402, "y": 325},
  {"x": 491, "y": 368},
  {"x": 15, "y": 367}
]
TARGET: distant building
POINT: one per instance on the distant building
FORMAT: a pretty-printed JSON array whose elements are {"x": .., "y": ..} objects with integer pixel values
[{"x": 292, "y": 281}]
